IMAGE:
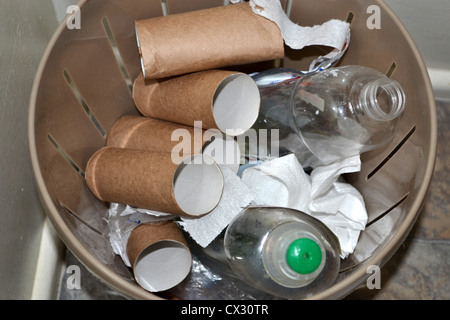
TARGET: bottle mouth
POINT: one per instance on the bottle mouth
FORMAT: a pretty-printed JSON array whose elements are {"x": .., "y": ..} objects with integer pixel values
[{"x": 383, "y": 99}]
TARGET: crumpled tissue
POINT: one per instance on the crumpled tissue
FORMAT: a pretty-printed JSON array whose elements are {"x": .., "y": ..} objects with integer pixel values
[
  {"x": 333, "y": 33},
  {"x": 323, "y": 194}
]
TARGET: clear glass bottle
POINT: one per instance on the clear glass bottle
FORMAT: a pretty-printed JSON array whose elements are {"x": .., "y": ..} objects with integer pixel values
[
  {"x": 332, "y": 114},
  {"x": 283, "y": 252}
]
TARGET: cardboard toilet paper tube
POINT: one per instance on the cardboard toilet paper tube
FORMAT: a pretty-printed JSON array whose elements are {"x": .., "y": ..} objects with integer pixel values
[
  {"x": 150, "y": 180},
  {"x": 206, "y": 39},
  {"x": 225, "y": 100},
  {"x": 159, "y": 256},
  {"x": 157, "y": 135},
  {"x": 140, "y": 132}
]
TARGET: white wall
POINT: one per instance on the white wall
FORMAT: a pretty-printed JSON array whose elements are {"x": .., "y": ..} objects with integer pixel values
[
  {"x": 428, "y": 21},
  {"x": 61, "y": 7}
]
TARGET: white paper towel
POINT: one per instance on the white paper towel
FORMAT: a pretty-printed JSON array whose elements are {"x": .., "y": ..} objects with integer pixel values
[
  {"x": 333, "y": 33},
  {"x": 342, "y": 209},
  {"x": 235, "y": 198},
  {"x": 280, "y": 183},
  {"x": 324, "y": 195}
]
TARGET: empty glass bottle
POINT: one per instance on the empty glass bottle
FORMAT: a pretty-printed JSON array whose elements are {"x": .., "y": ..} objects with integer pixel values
[{"x": 329, "y": 115}]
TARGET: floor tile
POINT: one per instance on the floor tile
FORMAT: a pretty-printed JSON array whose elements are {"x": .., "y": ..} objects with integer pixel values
[{"x": 418, "y": 271}]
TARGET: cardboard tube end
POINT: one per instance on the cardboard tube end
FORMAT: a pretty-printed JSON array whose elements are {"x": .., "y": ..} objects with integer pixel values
[
  {"x": 90, "y": 175},
  {"x": 159, "y": 255},
  {"x": 198, "y": 185},
  {"x": 162, "y": 265},
  {"x": 236, "y": 104},
  {"x": 122, "y": 130}
]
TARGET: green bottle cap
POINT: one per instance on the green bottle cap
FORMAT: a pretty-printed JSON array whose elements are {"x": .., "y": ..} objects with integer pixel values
[{"x": 304, "y": 256}]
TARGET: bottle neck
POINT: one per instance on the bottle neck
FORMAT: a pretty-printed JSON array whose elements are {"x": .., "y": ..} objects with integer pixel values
[{"x": 382, "y": 99}]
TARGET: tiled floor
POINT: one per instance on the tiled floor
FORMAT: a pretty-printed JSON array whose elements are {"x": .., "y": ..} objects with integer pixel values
[{"x": 420, "y": 269}]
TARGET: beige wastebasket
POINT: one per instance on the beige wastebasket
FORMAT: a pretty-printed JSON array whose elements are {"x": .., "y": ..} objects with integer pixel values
[{"x": 83, "y": 85}]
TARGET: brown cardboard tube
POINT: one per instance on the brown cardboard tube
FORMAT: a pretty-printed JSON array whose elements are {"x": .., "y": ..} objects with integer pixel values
[
  {"x": 159, "y": 256},
  {"x": 140, "y": 132},
  {"x": 150, "y": 180},
  {"x": 225, "y": 100},
  {"x": 206, "y": 39}
]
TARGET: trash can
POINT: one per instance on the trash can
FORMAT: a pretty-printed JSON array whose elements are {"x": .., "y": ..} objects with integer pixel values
[{"x": 84, "y": 82}]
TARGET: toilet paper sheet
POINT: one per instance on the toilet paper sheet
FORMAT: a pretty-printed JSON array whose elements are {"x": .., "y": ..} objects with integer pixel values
[
  {"x": 333, "y": 33},
  {"x": 235, "y": 198}
]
